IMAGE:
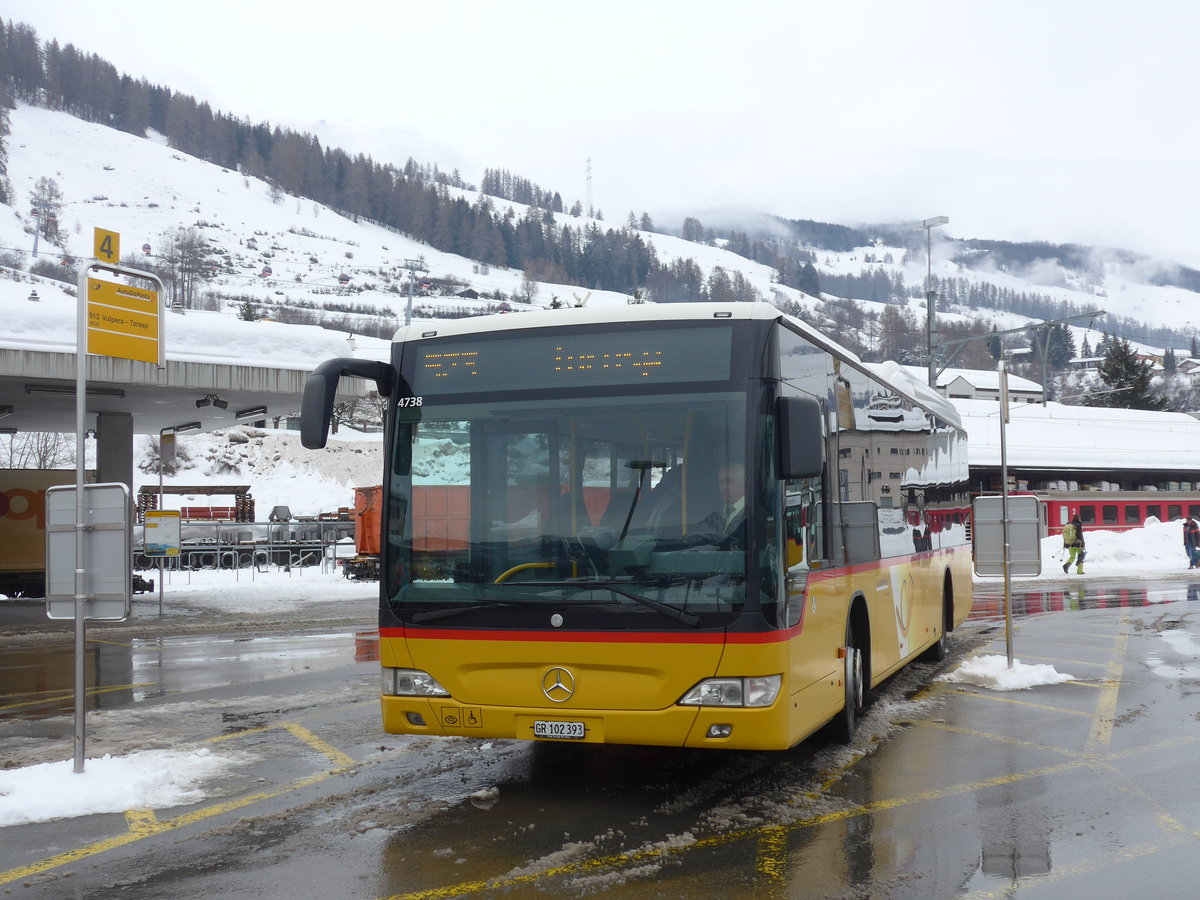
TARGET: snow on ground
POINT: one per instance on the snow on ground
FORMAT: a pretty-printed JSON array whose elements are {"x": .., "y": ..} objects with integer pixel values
[
  {"x": 160, "y": 778},
  {"x": 152, "y": 779},
  {"x": 155, "y": 779},
  {"x": 993, "y": 672},
  {"x": 247, "y": 591}
]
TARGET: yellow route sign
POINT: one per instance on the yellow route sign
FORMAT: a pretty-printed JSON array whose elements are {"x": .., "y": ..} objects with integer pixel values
[
  {"x": 107, "y": 246},
  {"x": 123, "y": 321}
]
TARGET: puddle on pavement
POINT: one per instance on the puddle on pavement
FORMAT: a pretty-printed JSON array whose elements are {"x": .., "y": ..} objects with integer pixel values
[
  {"x": 988, "y": 600},
  {"x": 39, "y": 682}
]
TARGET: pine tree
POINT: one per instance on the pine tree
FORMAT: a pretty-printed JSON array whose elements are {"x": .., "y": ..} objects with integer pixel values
[
  {"x": 1061, "y": 346},
  {"x": 1127, "y": 379}
]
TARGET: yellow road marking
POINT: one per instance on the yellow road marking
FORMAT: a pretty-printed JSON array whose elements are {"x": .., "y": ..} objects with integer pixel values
[
  {"x": 1106, "y": 707},
  {"x": 142, "y": 821},
  {"x": 1062, "y": 660},
  {"x": 55, "y": 696},
  {"x": 1090, "y": 684},
  {"x": 772, "y": 845},
  {"x": 999, "y": 738},
  {"x": 776, "y": 839},
  {"x": 129, "y": 837},
  {"x": 990, "y": 695},
  {"x": 334, "y": 755}
]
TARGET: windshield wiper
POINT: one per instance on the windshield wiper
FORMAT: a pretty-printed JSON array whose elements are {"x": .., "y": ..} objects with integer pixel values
[
  {"x": 666, "y": 609},
  {"x": 429, "y": 615}
]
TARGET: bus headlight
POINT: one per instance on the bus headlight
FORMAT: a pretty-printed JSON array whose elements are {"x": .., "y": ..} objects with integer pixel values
[
  {"x": 411, "y": 683},
  {"x": 760, "y": 690}
]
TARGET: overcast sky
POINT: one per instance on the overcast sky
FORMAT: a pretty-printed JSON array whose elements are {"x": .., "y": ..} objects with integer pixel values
[{"x": 1068, "y": 121}]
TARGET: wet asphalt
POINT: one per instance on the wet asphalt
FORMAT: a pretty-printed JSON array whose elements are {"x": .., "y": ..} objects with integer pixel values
[{"x": 1084, "y": 789}]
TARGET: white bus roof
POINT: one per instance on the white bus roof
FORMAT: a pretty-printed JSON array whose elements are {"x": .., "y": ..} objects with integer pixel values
[
  {"x": 891, "y": 373},
  {"x": 585, "y": 315}
]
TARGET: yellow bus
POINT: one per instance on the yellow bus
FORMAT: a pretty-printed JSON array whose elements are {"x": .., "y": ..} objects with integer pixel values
[{"x": 697, "y": 525}]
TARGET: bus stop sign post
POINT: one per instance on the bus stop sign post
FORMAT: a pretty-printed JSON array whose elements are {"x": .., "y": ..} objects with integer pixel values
[
  {"x": 1006, "y": 531},
  {"x": 128, "y": 325},
  {"x": 161, "y": 541}
]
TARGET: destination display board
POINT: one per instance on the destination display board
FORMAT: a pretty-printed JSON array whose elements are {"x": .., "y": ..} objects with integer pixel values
[{"x": 647, "y": 356}]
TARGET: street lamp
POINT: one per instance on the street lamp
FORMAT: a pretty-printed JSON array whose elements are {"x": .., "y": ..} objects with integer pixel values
[{"x": 930, "y": 321}]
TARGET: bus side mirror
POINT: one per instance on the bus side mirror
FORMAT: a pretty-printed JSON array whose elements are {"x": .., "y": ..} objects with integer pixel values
[
  {"x": 801, "y": 438},
  {"x": 316, "y": 407}
]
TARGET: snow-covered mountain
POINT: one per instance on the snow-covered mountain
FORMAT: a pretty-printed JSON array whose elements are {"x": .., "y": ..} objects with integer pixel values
[{"x": 291, "y": 256}]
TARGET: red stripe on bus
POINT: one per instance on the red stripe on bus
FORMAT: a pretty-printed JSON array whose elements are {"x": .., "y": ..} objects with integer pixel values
[{"x": 593, "y": 637}]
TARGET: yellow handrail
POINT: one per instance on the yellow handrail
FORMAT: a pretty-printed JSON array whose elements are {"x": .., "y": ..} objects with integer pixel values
[{"x": 522, "y": 567}]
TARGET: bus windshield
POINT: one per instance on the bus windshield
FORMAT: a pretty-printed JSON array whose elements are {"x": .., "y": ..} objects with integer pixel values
[{"x": 627, "y": 510}]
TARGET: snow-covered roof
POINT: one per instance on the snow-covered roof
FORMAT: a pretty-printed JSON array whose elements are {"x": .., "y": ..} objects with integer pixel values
[
  {"x": 983, "y": 379},
  {"x": 1080, "y": 437}
]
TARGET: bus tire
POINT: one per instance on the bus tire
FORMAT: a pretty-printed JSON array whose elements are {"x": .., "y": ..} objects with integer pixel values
[
  {"x": 941, "y": 647},
  {"x": 853, "y": 683}
]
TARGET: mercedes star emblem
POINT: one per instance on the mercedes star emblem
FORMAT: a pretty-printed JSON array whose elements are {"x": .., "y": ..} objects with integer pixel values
[{"x": 558, "y": 684}]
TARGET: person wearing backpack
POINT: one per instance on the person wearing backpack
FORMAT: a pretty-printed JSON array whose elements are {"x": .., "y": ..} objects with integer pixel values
[
  {"x": 1191, "y": 542},
  {"x": 1073, "y": 543}
]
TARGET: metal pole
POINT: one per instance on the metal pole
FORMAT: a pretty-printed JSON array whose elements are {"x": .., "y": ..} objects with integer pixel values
[
  {"x": 414, "y": 266},
  {"x": 80, "y": 513},
  {"x": 930, "y": 323},
  {"x": 1045, "y": 353},
  {"x": 1004, "y": 510},
  {"x": 160, "y": 507}
]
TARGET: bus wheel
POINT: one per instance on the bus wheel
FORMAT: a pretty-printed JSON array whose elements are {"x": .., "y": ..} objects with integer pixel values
[
  {"x": 855, "y": 690},
  {"x": 937, "y": 652}
]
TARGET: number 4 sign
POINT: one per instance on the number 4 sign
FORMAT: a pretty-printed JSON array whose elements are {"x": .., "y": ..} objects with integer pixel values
[{"x": 107, "y": 246}]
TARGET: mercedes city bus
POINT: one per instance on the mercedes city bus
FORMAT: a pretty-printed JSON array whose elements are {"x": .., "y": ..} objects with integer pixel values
[{"x": 699, "y": 525}]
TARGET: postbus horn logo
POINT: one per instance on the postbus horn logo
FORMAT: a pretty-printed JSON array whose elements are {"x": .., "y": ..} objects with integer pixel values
[{"x": 558, "y": 684}]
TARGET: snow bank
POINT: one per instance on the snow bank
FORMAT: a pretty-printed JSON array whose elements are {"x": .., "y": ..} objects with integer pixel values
[
  {"x": 1154, "y": 549},
  {"x": 992, "y": 672},
  {"x": 152, "y": 779}
]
